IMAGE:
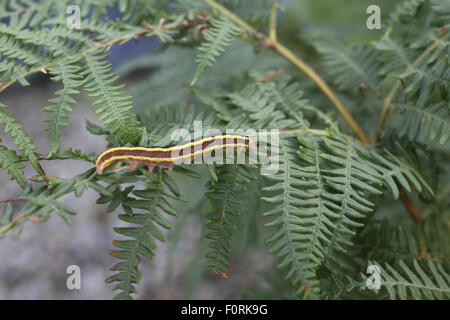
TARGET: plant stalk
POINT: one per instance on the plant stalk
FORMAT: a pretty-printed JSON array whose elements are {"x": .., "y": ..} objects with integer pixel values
[{"x": 273, "y": 43}]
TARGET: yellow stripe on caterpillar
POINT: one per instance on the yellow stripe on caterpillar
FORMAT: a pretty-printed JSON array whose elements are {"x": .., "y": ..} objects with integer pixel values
[{"x": 152, "y": 156}]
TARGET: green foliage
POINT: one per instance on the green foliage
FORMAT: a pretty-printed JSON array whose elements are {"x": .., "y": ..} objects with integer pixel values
[
  {"x": 10, "y": 161},
  {"x": 383, "y": 241},
  {"x": 152, "y": 199},
  {"x": 292, "y": 237},
  {"x": 67, "y": 72},
  {"x": 361, "y": 62},
  {"x": 21, "y": 138},
  {"x": 216, "y": 39},
  {"x": 255, "y": 11},
  {"x": 41, "y": 202},
  {"x": 225, "y": 195},
  {"x": 114, "y": 105},
  {"x": 427, "y": 124},
  {"x": 329, "y": 209},
  {"x": 429, "y": 281},
  {"x": 399, "y": 171}
]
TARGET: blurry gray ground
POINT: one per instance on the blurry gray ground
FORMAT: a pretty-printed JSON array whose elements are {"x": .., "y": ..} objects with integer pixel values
[{"x": 34, "y": 265}]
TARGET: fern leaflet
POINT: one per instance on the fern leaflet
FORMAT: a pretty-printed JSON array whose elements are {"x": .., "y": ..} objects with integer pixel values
[
  {"x": 217, "y": 38},
  {"x": 21, "y": 138},
  {"x": 428, "y": 281},
  {"x": 225, "y": 196},
  {"x": 115, "y": 106}
]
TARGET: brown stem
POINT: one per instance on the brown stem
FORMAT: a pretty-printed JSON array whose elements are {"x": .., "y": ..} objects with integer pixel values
[
  {"x": 271, "y": 76},
  {"x": 299, "y": 63},
  {"x": 412, "y": 210},
  {"x": 272, "y": 43},
  {"x": 12, "y": 200}
]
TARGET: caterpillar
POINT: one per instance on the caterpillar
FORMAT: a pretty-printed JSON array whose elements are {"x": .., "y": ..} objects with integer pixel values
[{"x": 170, "y": 155}]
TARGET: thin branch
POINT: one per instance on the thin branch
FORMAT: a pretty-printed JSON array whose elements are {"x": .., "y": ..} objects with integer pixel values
[
  {"x": 271, "y": 76},
  {"x": 312, "y": 74},
  {"x": 412, "y": 210},
  {"x": 25, "y": 215},
  {"x": 273, "y": 21},
  {"x": 300, "y": 64},
  {"x": 12, "y": 200},
  {"x": 56, "y": 156}
]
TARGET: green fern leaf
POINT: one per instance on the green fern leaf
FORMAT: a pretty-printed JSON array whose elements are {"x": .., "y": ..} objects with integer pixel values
[
  {"x": 151, "y": 199},
  {"x": 399, "y": 169},
  {"x": 352, "y": 67},
  {"x": 40, "y": 203},
  {"x": 323, "y": 190},
  {"x": 430, "y": 123},
  {"x": 115, "y": 106},
  {"x": 392, "y": 55},
  {"x": 384, "y": 241},
  {"x": 426, "y": 281},
  {"x": 67, "y": 72},
  {"x": 217, "y": 38},
  {"x": 349, "y": 179},
  {"x": 11, "y": 162},
  {"x": 21, "y": 139},
  {"x": 423, "y": 80},
  {"x": 225, "y": 196},
  {"x": 295, "y": 246},
  {"x": 255, "y": 11}
]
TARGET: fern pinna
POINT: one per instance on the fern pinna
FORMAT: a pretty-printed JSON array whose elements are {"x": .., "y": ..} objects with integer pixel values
[{"x": 340, "y": 200}]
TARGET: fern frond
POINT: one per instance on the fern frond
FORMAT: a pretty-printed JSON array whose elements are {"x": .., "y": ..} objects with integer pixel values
[
  {"x": 443, "y": 8},
  {"x": 25, "y": 13},
  {"x": 274, "y": 103},
  {"x": 428, "y": 280},
  {"x": 162, "y": 122},
  {"x": 325, "y": 187},
  {"x": 296, "y": 243},
  {"x": 152, "y": 199},
  {"x": 393, "y": 56},
  {"x": 10, "y": 161},
  {"x": 404, "y": 12},
  {"x": 425, "y": 124},
  {"x": 21, "y": 138},
  {"x": 399, "y": 169},
  {"x": 349, "y": 179},
  {"x": 31, "y": 51},
  {"x": 350, "y": 67},
  {"x": 255, "y": 11},
  {"x": 139, "y": 10},
  {"x": 115, "y": 106},
  {"x": 17, "y": 57},
  {"x": 423, "y": 80},
  {"x": 216, "y": 39},
  {"x": 67, "y": 72},
  {"x": 253, "y": 100},
  {"x": 383, "y": 241},
  {"x": 225, "y": 195},
  {"x": 215, "y": 99},
  {"x": 54, "y": 40},
  {"x": 40, "y": 203},
  {"x": 288, "y": 97}
]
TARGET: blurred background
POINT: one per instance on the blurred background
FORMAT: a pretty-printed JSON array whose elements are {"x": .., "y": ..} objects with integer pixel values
[{"x": 33, "y": 266}]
